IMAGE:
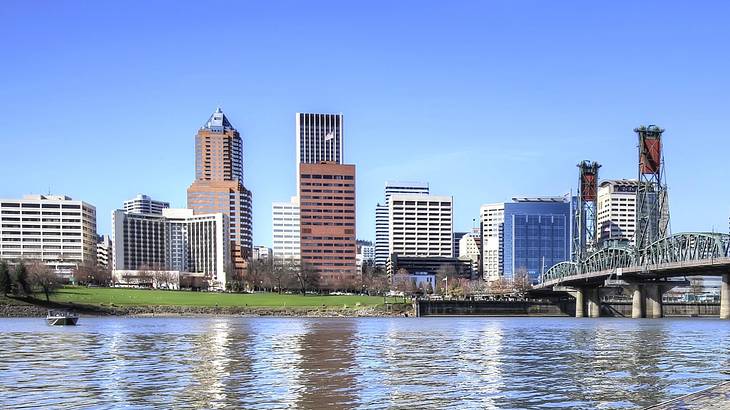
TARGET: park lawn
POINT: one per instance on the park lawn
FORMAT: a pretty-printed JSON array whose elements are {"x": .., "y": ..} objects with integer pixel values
[{"x": 148, "y": 297}]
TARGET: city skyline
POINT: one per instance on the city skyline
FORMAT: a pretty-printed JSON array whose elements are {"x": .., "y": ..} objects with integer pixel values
[{"x": 519, "y": 132}]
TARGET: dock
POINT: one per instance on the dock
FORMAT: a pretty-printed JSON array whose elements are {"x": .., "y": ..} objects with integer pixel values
[{"x": 716, "y": 398}]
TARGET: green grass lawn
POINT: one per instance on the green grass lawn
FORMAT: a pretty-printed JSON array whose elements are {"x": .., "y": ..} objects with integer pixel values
[{"x": 144, "y": 297}]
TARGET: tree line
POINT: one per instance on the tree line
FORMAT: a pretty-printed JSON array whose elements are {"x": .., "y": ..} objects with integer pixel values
[
  {"x": 289, "y": 275},
  {"x": 27, "y": 277}
]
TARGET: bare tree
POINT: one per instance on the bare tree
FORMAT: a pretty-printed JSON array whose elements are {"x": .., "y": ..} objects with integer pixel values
[
  {"x": 521, "y": 281},
  {"x": 43, "y": 277},
  {"x": 378, "y": 282},
  {"x": 307, "y": 277},
  {"x": 282, "y": 270},
  {"x": 258, "y": 272}
]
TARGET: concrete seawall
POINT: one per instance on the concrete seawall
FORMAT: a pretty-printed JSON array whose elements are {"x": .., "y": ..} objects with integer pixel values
[{"x": 557, "y": 307}]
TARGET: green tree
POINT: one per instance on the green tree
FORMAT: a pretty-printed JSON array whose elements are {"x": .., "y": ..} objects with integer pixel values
[
  {"x": 22, "y": 285},
  {"x": 6, "y": 282}
]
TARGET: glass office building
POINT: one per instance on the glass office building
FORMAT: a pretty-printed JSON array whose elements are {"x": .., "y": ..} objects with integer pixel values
[{"x": 537, "y": 234}]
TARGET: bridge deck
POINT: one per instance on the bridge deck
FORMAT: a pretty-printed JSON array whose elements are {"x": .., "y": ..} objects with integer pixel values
[
  {"x": 708, "y": 267},
  {"x": 717, "y": 398}
]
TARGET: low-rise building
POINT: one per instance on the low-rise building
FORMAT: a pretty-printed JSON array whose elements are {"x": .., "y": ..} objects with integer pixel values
[{"x": 261, "y": 253}]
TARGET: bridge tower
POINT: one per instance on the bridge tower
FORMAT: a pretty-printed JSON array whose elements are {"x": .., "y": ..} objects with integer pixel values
[
  {"x": 652, "y": 206},
  {"x": 585, "y": 236}
]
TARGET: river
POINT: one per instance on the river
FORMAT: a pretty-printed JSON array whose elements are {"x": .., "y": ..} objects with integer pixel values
[{"x": 231, "y": 362}]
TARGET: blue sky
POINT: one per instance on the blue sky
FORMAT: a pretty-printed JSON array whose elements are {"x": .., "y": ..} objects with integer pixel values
[{"x": 485, "y": 100}]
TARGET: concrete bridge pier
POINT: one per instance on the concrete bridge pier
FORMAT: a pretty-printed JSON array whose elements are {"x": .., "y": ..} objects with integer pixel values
[
  {"x": 725, "y": 297},
  {"x": 579, "y": 304},
  {"x": 637, "y": 302},
  {"x": 594, "y": 303},
  {"x": 653, "y": 300}
]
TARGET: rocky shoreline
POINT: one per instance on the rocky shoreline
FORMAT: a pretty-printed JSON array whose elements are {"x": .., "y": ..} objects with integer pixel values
[{"x": 32, "y": 310}]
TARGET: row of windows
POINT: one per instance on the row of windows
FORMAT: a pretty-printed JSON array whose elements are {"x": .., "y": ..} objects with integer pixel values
[
  {"x": 45, "y": 206},
  {"x": 318, "y": 176}
]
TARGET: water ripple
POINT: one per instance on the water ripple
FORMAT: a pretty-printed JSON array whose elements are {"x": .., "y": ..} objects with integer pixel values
[{"x": 368, "y": 363}]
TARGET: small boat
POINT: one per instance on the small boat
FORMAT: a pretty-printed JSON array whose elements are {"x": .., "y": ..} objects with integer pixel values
[{"x": 61, "y": 318}]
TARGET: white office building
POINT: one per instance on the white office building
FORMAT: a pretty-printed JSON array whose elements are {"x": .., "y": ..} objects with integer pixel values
[
  {"x": 470, "y": 248},
  {"x": 104, "y": 251},
  {"x": 52, "y": 228},
  {"x": 143, "y": 204},
  {"x": 492, "y": 221},
  {"x": 616, "y": 210},
  {"x": 420, "y": 225},
  {"x": 382, "y": 212},
  {"x": 261, "y": 253},
  {"x": 368, "y": 253},
  {"x": 175, "y": 241},
  {"x": 285, "y": 229}
]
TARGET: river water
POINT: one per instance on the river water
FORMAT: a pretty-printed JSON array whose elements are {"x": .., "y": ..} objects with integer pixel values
[{"x": 229, "y": 362}]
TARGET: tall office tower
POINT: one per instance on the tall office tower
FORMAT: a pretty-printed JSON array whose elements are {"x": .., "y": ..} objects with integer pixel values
[
  {"x": 143, "y": 204},
  {"x": 327, "y": 221},
  {"x": 218, "y": 185},
  {"x": 616, "y": 210},
  {"x": 492, "y": 221},
  {"x": 382, "y": 216},
  {"x": 178, "y": 240},
  {"x": 285, "y": 229},
  {"x": 104, "y": 252},
  {"x": 54, "y": 229},
  {"x": 319, "y": 139},
  {"x": 421, "y": 225}
]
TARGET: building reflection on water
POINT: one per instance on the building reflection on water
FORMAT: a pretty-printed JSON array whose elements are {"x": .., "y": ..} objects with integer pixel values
[
  {"x": 327, "y": 358},
  {"x": 365, "y": 363}
]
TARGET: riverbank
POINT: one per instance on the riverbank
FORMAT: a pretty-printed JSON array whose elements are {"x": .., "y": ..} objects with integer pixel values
[{"x": 142, "y": 302}]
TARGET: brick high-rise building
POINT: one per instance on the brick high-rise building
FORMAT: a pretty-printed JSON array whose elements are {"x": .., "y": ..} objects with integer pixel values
[
  {"x": 327, "y": 221},
  {"x": 218, "y": 185}
]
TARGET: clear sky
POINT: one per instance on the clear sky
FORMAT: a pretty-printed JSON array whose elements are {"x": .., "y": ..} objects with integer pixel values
[{"x": 485, "y": 100}]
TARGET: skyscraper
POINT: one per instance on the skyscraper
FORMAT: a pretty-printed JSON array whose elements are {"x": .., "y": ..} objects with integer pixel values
[
  {"x": 319, "y": 138},
  {"x": 218, "y": 185},
  {"x": 327, "y": 221},
  {"x": 381, "y": 216}
]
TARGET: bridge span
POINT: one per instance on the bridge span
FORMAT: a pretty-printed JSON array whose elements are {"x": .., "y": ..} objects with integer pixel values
[{"x": 646, "y": 273}]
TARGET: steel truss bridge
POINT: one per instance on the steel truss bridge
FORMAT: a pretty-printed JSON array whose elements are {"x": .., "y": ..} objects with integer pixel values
[{"x": 678, "y": 255}]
